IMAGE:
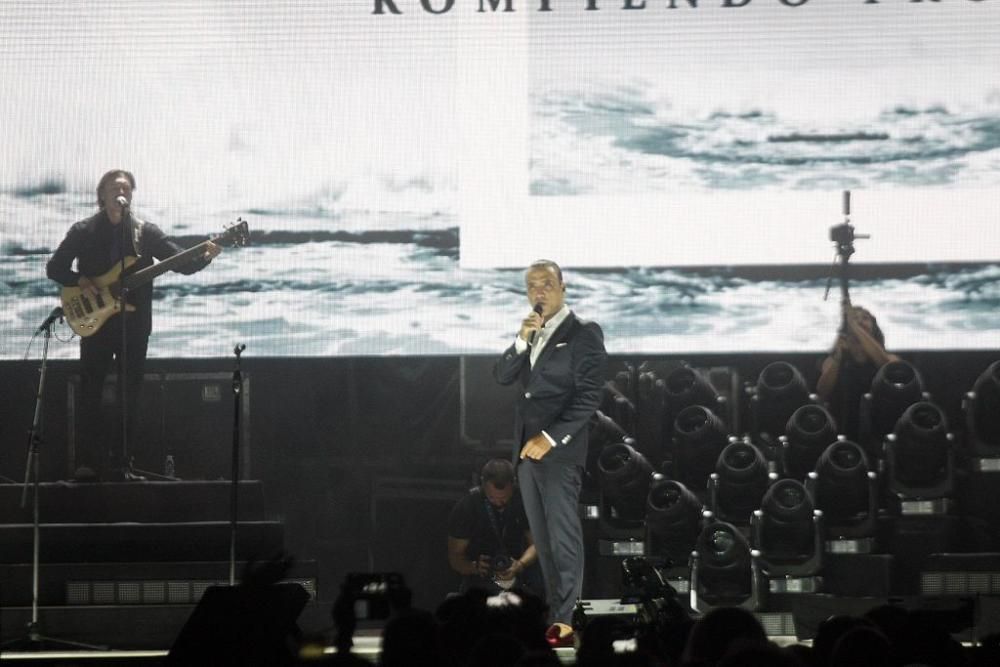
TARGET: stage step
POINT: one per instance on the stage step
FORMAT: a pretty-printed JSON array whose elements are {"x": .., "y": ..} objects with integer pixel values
[
  {"x": 125, "y": 627},
  {"x": 116, "y": 542},
  {"x": 128, "y": 583},
  {"x": 141, "y": 502},
  {"x": 124, "y": 564}
]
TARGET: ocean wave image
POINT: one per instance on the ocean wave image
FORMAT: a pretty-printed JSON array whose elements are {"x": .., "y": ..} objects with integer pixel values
[
  {"x": 818, "y": 98},
  {"x": 394, "y": 179},
  {"x": 613, "y": 140},
  {"x": 360, "y": 282}
]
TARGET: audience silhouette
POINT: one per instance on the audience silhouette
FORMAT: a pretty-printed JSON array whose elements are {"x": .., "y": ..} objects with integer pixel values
[{"x": 476, "y": 629}]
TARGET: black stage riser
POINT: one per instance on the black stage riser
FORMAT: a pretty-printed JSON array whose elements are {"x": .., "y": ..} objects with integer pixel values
[
  {"x": 55, "y": 579},
  {"x": 155, "y": 502},
  {"x": 82, "y": 543},
  {"x": 128, "y": 626}
]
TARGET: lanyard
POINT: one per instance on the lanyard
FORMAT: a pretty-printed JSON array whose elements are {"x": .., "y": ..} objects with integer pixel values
[{"x": 495, "y": 524}]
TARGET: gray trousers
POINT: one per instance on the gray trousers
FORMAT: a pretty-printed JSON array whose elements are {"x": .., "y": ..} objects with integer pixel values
[{"x": 551, "y": 490}]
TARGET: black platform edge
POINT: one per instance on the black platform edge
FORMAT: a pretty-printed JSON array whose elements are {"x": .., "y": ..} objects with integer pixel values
[
  {"x": 130, "y": 627},
  {"x": 55, "y": 578},
  {"x": 116, "y": 542},
  {"x": 110, "y": 502}
]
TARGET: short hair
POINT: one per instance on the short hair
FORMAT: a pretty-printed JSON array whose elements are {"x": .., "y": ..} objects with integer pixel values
[
  {"x": 499, "y": 472},
  {"x": 110, "y": 176},
  {"x": 546, "y": 264}
]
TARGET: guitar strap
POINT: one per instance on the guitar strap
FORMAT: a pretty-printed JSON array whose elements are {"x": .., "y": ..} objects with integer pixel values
[{"x": 137, "y": 228}]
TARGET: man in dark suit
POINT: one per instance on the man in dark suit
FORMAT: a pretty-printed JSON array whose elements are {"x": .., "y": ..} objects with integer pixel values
[{"x": 560, "y": 361}]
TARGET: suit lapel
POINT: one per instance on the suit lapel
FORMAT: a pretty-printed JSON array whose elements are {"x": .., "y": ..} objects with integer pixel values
[{"x": 558, "y": 336}]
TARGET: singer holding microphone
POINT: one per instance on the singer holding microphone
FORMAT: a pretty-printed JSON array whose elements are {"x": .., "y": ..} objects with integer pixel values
[
  {"x": 560, "y": 362},
  {"x": 96, "y": 244}
]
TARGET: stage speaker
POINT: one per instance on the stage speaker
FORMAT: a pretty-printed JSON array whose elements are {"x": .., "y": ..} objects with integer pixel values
[
  {"x": 409, "y": 533},
  {"x": 236, "y": 625},
  {"x": 858, "y": 575},
  {"x": 188, "y": 416},
  {"x": 912, "y": 541},
  {"x": 486, "y": 409}
]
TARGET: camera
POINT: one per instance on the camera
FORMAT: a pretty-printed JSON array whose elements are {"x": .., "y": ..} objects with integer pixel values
[
  {"x": 842, "y": 235},
  {"x": 373, "y": 593},
  {"x": 501, "y": 563}
]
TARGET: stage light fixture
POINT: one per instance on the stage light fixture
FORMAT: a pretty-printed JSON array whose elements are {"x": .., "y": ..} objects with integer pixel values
[
  {"x": 981, "y": 457},
  {"x": 845, "y": 488},
  {"x": 616, "y": 405},
  {"x": 919, "y": 480},
  {"x": 604, "y": 431},
  {"x": 787, "y": 530},
  {"x": 699, "y": 438},
  {"x": 724, "y": 571},
  {"x": 896, "y": 386},
  {"x": 685, "y": 386},
  {"x": 673, "y": 520},
  {"x": 779, "y": 392},
  {"x": 982, "y": 421},
  {"x": 809, "y": 431},
  {"x": 739, "y": 482},
  {"x": 920, "y": 460},
  {"x": 625, "y": 476}
]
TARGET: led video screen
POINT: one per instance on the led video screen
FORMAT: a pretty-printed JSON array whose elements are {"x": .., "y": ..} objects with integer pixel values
[{"x": 400, "y": 162}]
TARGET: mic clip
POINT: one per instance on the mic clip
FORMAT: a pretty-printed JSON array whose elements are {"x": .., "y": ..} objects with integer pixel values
[{"x": 56, "y": 314}]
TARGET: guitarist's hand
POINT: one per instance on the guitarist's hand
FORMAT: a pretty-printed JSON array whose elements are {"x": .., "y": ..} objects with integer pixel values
[
  {"x": 87, "y": 286},
  {"x": 212, "y": 250}
]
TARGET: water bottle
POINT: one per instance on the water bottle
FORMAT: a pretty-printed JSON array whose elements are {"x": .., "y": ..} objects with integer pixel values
[{"x": 168, "y": 466}]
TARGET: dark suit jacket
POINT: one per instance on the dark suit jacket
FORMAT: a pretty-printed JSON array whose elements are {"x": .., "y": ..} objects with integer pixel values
[{"x": 562, "y": 392}]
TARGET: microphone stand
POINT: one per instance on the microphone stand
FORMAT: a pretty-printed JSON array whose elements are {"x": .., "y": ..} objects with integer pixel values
[
  {"x": 35, "y": 640},
  {"x": 843, "y": 237},
  {"x": 123, "y": 402},
  {"x": 234, "y": 496}
]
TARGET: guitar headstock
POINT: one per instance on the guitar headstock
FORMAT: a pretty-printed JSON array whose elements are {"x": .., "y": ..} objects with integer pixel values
[{"x": 236, "y": 234}]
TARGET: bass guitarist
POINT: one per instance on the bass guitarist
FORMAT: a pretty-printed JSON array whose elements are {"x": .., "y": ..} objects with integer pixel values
[{"x": 97, "y": 244}]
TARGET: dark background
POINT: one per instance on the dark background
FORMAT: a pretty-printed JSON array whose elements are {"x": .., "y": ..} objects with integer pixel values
[{"x": 362, "y": 458}]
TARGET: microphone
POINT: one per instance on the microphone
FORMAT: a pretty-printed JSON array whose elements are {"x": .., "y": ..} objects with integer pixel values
[
  {"x": 847, "y": 202},
  {"x": 122, "y": 201},
  {"x": 56, "y": 314},
  {"x": 534, "y": 334}
]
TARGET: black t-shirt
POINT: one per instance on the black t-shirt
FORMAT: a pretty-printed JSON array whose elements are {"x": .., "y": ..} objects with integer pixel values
[{"x": 470, "y": 520}]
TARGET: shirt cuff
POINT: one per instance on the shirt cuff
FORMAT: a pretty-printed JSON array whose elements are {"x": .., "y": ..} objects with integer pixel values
[
  {"x": 550, "y": 439},
  {"x": 519, "y": 345}
]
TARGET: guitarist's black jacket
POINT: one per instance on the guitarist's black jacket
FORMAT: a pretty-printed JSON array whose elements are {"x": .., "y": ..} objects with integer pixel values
[{"x": 94, "y": 244}]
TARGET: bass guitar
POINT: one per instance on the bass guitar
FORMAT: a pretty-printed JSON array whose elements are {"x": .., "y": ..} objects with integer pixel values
[{"x": 87, "y": 313}]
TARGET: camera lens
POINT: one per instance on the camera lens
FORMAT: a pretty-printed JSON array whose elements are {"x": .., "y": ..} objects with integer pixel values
[{"x": 501, "y": 563}]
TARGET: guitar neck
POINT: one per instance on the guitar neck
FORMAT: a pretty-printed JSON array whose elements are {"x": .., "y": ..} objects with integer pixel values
[{"x": 143, "y": 276}]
